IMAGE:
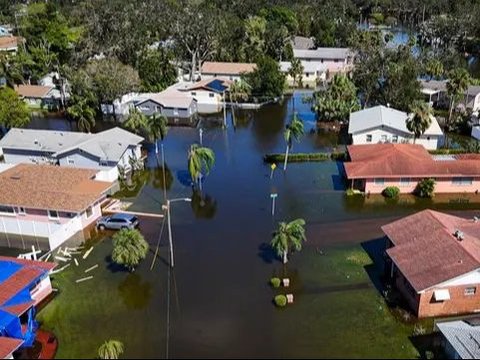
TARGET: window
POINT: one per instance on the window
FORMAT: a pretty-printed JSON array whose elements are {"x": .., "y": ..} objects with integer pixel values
[
  {"x": 369, "y": 138},
  {"x": 379, "y": 181},
  {"x": 470, "y": 291},
  {"x": 7, "y": 210},
  {"x": 307, "y": 75},
  {"x": 70, "y": 161},
  {"x": 175, "y": 111},
  {"x": 103, "y": 163},
  {"x": 395, "y": 139},
  {"x": 462, "y": 181},
  {"x": 89, "y": 212},
  {"x": 21, "y": 211},
  {"x": 53, "y": 214},
  {"x": 194, "y": 93},
  {"x": 404, "y": 181},
  {"x": 211, "y": 95},
  {"x": 384, "y": 138},
  {"x": 336, "y": 60}
]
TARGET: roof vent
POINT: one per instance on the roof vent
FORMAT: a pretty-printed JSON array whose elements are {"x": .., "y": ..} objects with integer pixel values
[
  {"x": 475, "y": 219},
  {"x": 15, "y": 177},
  {"x": 459, "y": 235}
]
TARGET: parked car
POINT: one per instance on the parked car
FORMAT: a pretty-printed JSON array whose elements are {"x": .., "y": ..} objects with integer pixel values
[{"x": 117, "y": 222}]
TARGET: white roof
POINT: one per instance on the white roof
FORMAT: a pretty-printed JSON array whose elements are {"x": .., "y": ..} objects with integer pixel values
[
  {"x": 308, "y": 67},
  {"x": 171, "y": 97},
  {"x": 322, "y": 53},
  {"x": 464, "y": 336},
  {"x": 383, "y": 116}
]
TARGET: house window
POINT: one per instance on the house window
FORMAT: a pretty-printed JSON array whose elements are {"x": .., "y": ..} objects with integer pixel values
[
  {"x": 395, "y": 139},
  {"x": 7, "y": 210},
  {"x": 462, "y": 181},
  {"x": 470, "y": 291},
  {"x": 404, "y": 181},
  {"x": 369, "y": 138},
  {"x": 53, "y": 214},
  {"x": 70, "y": 161},
  {"x": 175, "y": 111},
  {"x": 379, "y": 181},
  {"x": 211, "y": 95},
  {"x": 103, "y": 163},
  {"x": 307, "y": 75},
  {"x": 21, "y": 211},
  {"x": 384, "y": 138},
  {"x": 194, "y": 93},
  {"x": 89, "y": 212}
]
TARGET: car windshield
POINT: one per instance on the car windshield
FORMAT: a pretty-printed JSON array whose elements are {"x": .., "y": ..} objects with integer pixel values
[{"x": 133, "y": 219}]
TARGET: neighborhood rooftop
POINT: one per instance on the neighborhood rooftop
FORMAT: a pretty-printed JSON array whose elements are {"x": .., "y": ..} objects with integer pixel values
[
  {"x": 9, "y": 42},
  {"x": 50, "y": 187},
  {"x": 463, "y": 336},
  {"x": 384, "y": 116},
  {"x": 106, "y": 145},
  {"x": 428, "y": 253},
  {"x": 33, "y": 91},
  {"x": 8, "y": 346},
  {"x": 227, "y": 68},
  {"x": 322, "y": 53},
  {"x": 406, "y": 160}
]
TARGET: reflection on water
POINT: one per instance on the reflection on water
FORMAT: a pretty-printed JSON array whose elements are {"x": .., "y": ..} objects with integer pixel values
[
  {"x": 203, "y": 205},
  {"x": 135, "y": 292}
]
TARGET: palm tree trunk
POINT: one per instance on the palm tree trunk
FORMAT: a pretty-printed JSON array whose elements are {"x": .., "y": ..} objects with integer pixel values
[
  {"x": 286, "y": 158},
  {"x": 285, "y": 258}
]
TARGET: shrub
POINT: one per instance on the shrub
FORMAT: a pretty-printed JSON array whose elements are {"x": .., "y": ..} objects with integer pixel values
[
  {"x": 377, "y": 18},
  {"x": 391, "y": 192},
  {"x": 303, "y": 157},
  {"x": 280, "y": 300},
  {"x": 275, "y": 282},
  {"x": 129, "y": 248},
  {"x": 349, "y": 192},
  {"x": 426, "y": 188},
  {"x": 419, "y": 330}
]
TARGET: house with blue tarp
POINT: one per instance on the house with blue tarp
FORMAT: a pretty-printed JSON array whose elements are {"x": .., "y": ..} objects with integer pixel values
[{"x": 23, "y": 285}]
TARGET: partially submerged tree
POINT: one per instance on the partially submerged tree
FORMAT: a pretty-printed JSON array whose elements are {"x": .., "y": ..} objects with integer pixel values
[
  {"x": 266, "y": 81},
  {"x": 293, "y": 131},
  {"x": 83, "y": 114},
  {"x": 420, "y": 119},
  {"x": 288, "y": 236},
  {"x": 129, "y": 248},
  {"x": 111, "y": 349},
  {"x": 200, "y": 160}
]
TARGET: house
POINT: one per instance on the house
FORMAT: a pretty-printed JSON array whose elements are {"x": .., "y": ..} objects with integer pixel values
[
  {"x": 460, "y": 339},
  {"x": 10, "y": 43},
  {"x": 121, "y": 107},
  {"x": 23, "y": 285},
  {"x": 382, "y": 124},
  {"x": 209, "y": 94},
  {"x": 229, "y": 70},
  {"x": 103, "y": 152},
  {"x": 303, "y": 43},
  {"x": 39, "y": 96},
  {"x": 313, "y": 73},
  {"x": 336, "y": 60},
  {"x": 434, "y": 260},
  {"x": 374, "y": 167},
  {"x": 49, "y": 203},
  {"x": 436, "y": 90}
]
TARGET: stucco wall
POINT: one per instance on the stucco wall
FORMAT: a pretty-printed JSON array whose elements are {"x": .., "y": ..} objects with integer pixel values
[
  {"x": 442, "y": 186},
  {"x": 429, "y": 142}
]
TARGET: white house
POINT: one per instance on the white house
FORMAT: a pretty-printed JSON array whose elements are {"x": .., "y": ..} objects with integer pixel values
[
  {"x": 336, "y": 60},
  {"x": 381, "y": 124},
  {"x": 313, "y": 73},
  {"x": 104, "y": 152},
  {"x": 436, "y": 90},
  {"x": 49, "y": 203}
]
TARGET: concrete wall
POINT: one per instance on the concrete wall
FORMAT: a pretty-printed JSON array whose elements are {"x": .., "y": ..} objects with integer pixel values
[
  {"x": 382, "y": 135},
  {"x": 443, "y": 185}
]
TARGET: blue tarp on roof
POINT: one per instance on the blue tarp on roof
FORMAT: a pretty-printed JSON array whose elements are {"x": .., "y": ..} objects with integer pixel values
[
  {"x": 7, "y": 269},
  {"x": 217, "y": 85}
]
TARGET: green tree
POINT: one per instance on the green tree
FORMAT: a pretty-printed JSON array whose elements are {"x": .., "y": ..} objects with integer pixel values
[
  {"x": 200, "y": 159},
  {"x": 420, "y": 119},
  {"x": 156, "y": 70},
  {"x": 434, "y": 69},
  {"x": 136, "y": 122},
  {"x": 296, "y": 72},
  {"x": 287, "y": 236},
  {"x": 111, "y": 349},
  {"x": 457, "y": 85},
  {"x": 254, "y": 43},
  {"x": 83, "y": 114},
  {"x": 338, "y": 101},
  {"x": 157, "y": 129},
  {"x": 129, "y": 248},
  {"x": 13, "y": 110},
  {"x": 293, "y": 131},
  {"x": 266, "y": 81}
]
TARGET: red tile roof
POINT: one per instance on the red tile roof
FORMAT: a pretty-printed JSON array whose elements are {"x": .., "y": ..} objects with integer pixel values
[
  {"x": 9, "y": 42},
  {"x": 33, "y": 91},
  {"x": 227, "y": 68},
  {"x": 426, "y": 250},
  {"x": 8, "y": 346},
  {"x": 405, "y": 160},
  {"x": 19, "y": 309}
]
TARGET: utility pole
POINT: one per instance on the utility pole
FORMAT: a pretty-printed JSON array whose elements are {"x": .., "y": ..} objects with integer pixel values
[
  {"x": 224, "y": 110},
  {"x": 169, "y": 224},
  {"x": 273, "y": 196},
  {"x": 200, "y": 133}
]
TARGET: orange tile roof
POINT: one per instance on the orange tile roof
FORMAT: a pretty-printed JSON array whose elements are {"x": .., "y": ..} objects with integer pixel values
[
  {"x": 7, "y": 42},
  {"x": 227, "y": 68},
  {"x": 50, "y": 187},
  {"x": 426, "y": 250},
  {"x": 8, "y": 346},
  {"x": 33, "y": 91},
  {"x": 405, "y": 160}
]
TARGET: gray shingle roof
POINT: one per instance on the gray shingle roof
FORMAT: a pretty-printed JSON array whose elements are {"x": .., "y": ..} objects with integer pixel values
[
  {"x": 105, "y": 145},
  {"x": 463, "y": 337},
  {"x": 384, "y": 116},
  {"x": 322, "y": 53}
]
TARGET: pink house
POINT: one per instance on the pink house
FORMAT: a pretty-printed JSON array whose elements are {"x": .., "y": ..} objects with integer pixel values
[
  {"x": 374, "y": 167},
  {"x": 49, "y": 203}
]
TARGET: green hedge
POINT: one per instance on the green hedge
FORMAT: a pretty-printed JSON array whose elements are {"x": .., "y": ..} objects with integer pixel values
[
  {"x": 391, "y": 192},
  {"x": 303, "y": 157}
]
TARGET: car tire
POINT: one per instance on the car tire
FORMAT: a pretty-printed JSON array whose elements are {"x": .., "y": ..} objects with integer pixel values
[{"x": 101, "y": 227}]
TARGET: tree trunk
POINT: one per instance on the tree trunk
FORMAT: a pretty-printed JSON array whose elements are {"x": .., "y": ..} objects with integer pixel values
[
  {"x": 285, "y": 258},
  {"x": 286, "y": 158},
  {"x": 194, "y": 65},
  {"x": 450, "y": 113}
]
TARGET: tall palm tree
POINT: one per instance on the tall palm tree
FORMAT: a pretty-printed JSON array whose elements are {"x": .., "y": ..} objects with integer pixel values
[
  {"x": 239, "y": 90},
  {"x": 287, "y": 236},
  {"x": 199, "y": 159},
  {"x": 111, "y": 349},
  {"x": 420, "y": 119},
  {"x": 83, "y": 114},
  {"x": 157, "y": 128},
  {"x": 458, "y": 82},
  {"x": 293, "y": 131}
]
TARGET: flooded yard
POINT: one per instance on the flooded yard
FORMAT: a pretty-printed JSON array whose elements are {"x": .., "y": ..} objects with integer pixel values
[{"x": 217, "y": 301}]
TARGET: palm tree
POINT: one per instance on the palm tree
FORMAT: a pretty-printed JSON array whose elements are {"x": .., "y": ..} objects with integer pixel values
[
  {"x": 83, "y": 114},
  {"x": 288, "y": 235},
  {"x": 293, "y": 131},
  {"x": 434, "y": 68},
  {"x": 157, "y": 128},
  {"x": 239, "y": 90},
  {"x": 420, "y": 119},
  {"x": 111, "y": 349},
  {"x": 458, "y": 82},
  {"x": 199, "y": 158},
  {"x": 129, "y": 248},
  {"x": 296, "y": 71},
  {"x": 136, "y": 121}
]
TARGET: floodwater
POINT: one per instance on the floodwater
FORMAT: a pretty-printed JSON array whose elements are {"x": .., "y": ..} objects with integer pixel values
[{"x": 217, "y": 303}]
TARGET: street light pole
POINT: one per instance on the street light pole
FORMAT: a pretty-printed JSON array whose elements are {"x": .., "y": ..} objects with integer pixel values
[
  {"x": 273, "y": 196},
  {"x": 169, "y": 224}
]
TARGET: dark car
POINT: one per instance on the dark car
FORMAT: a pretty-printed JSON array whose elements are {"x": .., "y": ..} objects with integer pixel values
[{"x": 117, "y": 222}]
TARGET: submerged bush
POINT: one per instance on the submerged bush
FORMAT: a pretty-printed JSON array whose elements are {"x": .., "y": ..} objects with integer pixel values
[
  {"x": 391, "y": 192},
  {"x": 303, "y": 157},
  {"x": 280, "y": 300},
  {"x": 275, "y": 282},
  {"x": 426, "y": 188}
]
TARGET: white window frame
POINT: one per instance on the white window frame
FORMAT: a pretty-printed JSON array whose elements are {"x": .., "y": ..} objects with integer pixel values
[
  {"x": 13, "y": 213},
  {"x": 395, "y": 139},
  {"x": 405, "y": 181},
  {"x": 379, "y": 181},
  {"x": 53, "y": 217},
  {"x": 470, "y": 291},
  {"x": 70, "y": 161},
  {"x": 21, "y": 211},
  {"x": 369, "y": 138},
  {"x": 383, "y": 138},
  {"x": 462, "y": 181},
  {"x": 86, "y": 212}
]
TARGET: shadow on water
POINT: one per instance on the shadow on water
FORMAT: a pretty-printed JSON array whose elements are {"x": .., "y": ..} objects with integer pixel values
[
  {"x": 375, "y": 249},
  {"x": 135, "y": 293},
  {"x": 203, "y": 205},
  {"x": 266, "y": 253},
  {"x": 184, "y": 178}
]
